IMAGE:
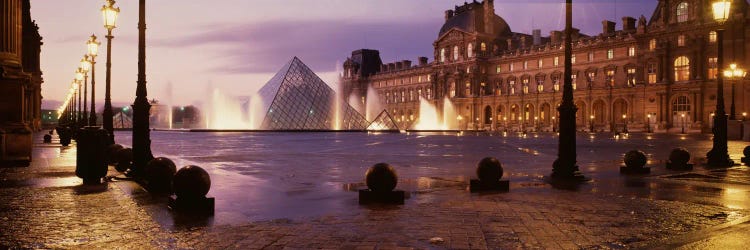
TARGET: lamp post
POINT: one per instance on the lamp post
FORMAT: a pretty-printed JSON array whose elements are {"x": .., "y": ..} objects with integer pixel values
[
  {"x": 719, "y": 156},
  {"x": 591, "y": 123},
  {"x": 93, "y": 49},
  {"x": 565, "y": 168},
  {"x": 554, "y": 127},
  {"x": 625, "y": 122},
  {"x": 141, "y": 136},
  {"x": 85, "y": 67},
  {"x": 109, "y": 15},
  {"x": 733, "y": 73},
  {"x": 74, "y": 114},
  {"x": 648, "y": 123},
  {"x": 683, "y": 122},
  {"x": 459, "y": 118}
]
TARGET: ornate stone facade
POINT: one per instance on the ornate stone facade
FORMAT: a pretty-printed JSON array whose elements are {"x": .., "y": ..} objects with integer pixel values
[{"x": 658, "y": 72}]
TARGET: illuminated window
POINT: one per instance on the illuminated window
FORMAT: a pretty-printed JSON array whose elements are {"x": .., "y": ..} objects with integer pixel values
[
  {"x": 681, "y": 40},
  {"x": 498, "y": 88},
  {"x": 467, "y": 89},
  {"x": 682, "y": 69},
  {"x": 573, "y": 58},
  {"x": 470, "y": 50},
  {"x": 610, "y": 53},
  {"x": 591, "y": 56},
  {"x": 651, "y": 73},
  {"x": 712, "y": 36},
  {"x": 611, "y": 77},
  {"x": 442, "y": 55},
  {"x": 556, "y": 61},
  {"x": 652, "y": 44},
  {"x": 511, "y": 87},
  {"x": 525, "y": 85},
  {"x": 682, "y": 12},
  {"x": 497, "y": 69},
  {"x": 483, "y": 47},
  {"x": 455, "y": 53},
  {"x": 573, "y": 80},
  {"x": 681, "y": 104},
  {"x": 429, "y": 93},
  {"x": 539, "y": 63},
  {"x": 631, "y": 51},
  {"x": 712, "y": 67},
  {"x": 403, "y": 96},
  {"x": 525, "y": 64},
  {"x": 453, "y": 89},
  {"x": 387, "y": 97},
  {"x": 510, "y": 66},
  {"x": 631, "y": 77}
]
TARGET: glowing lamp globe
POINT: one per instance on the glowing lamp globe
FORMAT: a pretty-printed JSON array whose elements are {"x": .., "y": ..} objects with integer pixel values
[
  {"x": 92, "y": 46},
  {"x": 109, "y": 14},
  {"x": 721, "y": 10}
]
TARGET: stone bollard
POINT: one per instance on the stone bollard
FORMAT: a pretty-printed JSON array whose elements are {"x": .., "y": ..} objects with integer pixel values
[
  {"x": 678, "y": 160},
  {"x": 190, "y": 186},
  {"x": 160, "y": 172},
  {"x": 90, "y": 163},
  {"x": 110, "y": 154},
  {"x": 746, "y": 158},
  {"x": 381, "y": 179},
  {"x": 47, "y": 138},
  {"x": 635, "y": 161},
  {"x": 123, "y": 159},
  {"x": 65, "y": 135},
  {"x": 489, "y": 172}
]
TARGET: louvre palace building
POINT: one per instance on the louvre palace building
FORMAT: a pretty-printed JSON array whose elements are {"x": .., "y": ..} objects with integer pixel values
[{"x": 654, "y": 73}]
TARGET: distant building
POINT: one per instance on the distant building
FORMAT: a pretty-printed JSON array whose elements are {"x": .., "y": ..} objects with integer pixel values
[
  {"x": 659, "y": 71},
  {"x": 49, "y": 117}
]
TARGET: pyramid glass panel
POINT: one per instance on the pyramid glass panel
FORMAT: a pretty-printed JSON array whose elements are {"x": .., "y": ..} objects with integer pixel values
[
  {"x": 297, "y": 99},
  {"x": 383, "y": 121}
]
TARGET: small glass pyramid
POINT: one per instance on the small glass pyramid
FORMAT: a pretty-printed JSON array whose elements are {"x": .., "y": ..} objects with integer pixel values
[
  {"x": 383, "y": 121},
  {"x": 297, "y": 99}
]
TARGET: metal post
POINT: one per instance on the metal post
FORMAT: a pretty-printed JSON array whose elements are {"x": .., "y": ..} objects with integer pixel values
[
  {"x": 141, "y": 137},
  {"x": 107, "y": 114},
  {"x": 92, "y": 115},
  {"x": 719, "y": 155}
]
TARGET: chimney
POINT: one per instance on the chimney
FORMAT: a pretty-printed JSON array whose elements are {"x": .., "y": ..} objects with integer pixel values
[
  {"x": 406, "y": 64},
  {"x": 422, "y": 61},
  {"x": 555, "y": 36},
  {"x": 489, "y": 16},
  {"x": 537, "y": 34},
  {"x": 628, "y": 23},
  {"x": 448, "y": 15},
  {"x": 608, "y": 27},
  {"x": 399, "y": 66}
]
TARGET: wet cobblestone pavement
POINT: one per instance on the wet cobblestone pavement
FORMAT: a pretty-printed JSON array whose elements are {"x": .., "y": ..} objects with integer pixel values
[{"x": 45, "y": 206}]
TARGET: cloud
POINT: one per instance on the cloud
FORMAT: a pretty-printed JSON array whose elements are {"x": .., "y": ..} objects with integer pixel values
[{"x": 265, "y": 47}]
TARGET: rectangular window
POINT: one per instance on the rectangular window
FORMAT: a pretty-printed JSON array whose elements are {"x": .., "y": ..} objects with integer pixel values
[
  {"x": 539, "y": 63},
  {"x": 556, "y": 61},
  {"x": 429, "y": 78},
  {"x": 610, "y": 53},
  {"x": 712, "y": 69},
  {"x": 525, "y": 64},
  {"x": 652, "y": 44},
  {"x": 631, "y": 51},
  {"x": 631, "y": 77},
  {"x": 651, "y": 73},
  {"x": 498, "y": 69},
  {"x": 591, "y": 56},
  {"x": 681, "y": 40},
  {"x": 573, "y": 59},
  {"x": 510, "y": 66},
  {"x": 573, "y": 80},
  {"x": 611, "y": 77},
  {"x": 712, "y": 36}
]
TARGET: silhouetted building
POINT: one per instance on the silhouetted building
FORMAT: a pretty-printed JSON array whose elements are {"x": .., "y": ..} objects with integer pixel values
[{"x": 663, "y": 69}]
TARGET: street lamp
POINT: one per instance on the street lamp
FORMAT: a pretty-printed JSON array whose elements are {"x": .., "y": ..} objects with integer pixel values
[
  {"x": 744, "y": 115},
  {"x": 625, "y": 122},
  {"x": 141, "y": 134},
  {"x": 648, "y": 123},
  {"x": 85, "y": 67},
  {"x": 74, "y": 114},
  {"x": 93, "y": 49},
  {"x": 459, "y": 118},
  {"x": 733, "y": 73},
  {"x": 554, "y": 127},
  {"x": 591, "y": 123},
  {"x": 109, "y": 16},
  {"x": 79, "y": 80},
  {"x": 719, "y": 156}
]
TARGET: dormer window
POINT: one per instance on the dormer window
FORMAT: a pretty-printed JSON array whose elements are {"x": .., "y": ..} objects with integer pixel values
[{"x": 682, "y": 12}]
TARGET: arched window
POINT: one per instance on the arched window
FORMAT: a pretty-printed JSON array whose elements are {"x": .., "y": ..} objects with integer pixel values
[
  {"x": 483, "y": 47},
  {"x": 681, "y": 69},
  {"x": 681, "y": 104},
  {"x": 467, "y": 89},
  {"x": 470, "y": 50},
  {"x": 442, "y": 55},
  {"x": 452, "y": 90},
  {"x": 455, "y": 53},
  {"x": 682, "y": 12}
]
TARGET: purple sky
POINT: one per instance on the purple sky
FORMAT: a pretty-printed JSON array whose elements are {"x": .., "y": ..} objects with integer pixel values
[{"x": 236, "y": 46}]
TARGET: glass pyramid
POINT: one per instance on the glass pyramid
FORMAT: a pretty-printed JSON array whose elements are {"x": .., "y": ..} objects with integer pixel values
[
  {"x": 297, "y": 99},
  {"x": 383, "y": 121}
]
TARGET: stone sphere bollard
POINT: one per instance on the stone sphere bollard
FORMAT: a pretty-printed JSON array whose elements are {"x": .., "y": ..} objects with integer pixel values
[
  {"x": 47, "y": 138},
  {"x": 160, "y": 172},
  {"x": 123, "y": 159},
  {"x": 746, "y": 152},
  {"x": 381, "y": 177},
  {"x": 679, "y": 157},
  {"x": 110, "y": 154},
  {"x": 489, "y": 169},
  {"x": 635, "y": 159},
  {"x": 191, "y": 182}
]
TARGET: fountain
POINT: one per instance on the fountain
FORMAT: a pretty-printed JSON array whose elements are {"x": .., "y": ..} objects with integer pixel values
[
  {"x": 430, "y": 120},
  {"x": 226, "y": 112},
  {"x": 374, "y": 104}
]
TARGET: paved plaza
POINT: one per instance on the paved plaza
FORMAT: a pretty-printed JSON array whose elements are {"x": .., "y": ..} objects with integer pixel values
[{"x": 292, "y": 190}]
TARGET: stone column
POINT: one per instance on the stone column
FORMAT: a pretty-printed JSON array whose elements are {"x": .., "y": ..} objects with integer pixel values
[{"x": 13, "y": 84}]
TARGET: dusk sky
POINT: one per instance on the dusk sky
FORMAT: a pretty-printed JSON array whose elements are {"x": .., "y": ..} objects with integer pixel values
[{"x": 237, "y": 45}]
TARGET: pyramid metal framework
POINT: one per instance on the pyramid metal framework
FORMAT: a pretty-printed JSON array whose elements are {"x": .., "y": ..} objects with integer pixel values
[
  {"x": 384, "y": 121},
  {"x": 297, "y": 99}
]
